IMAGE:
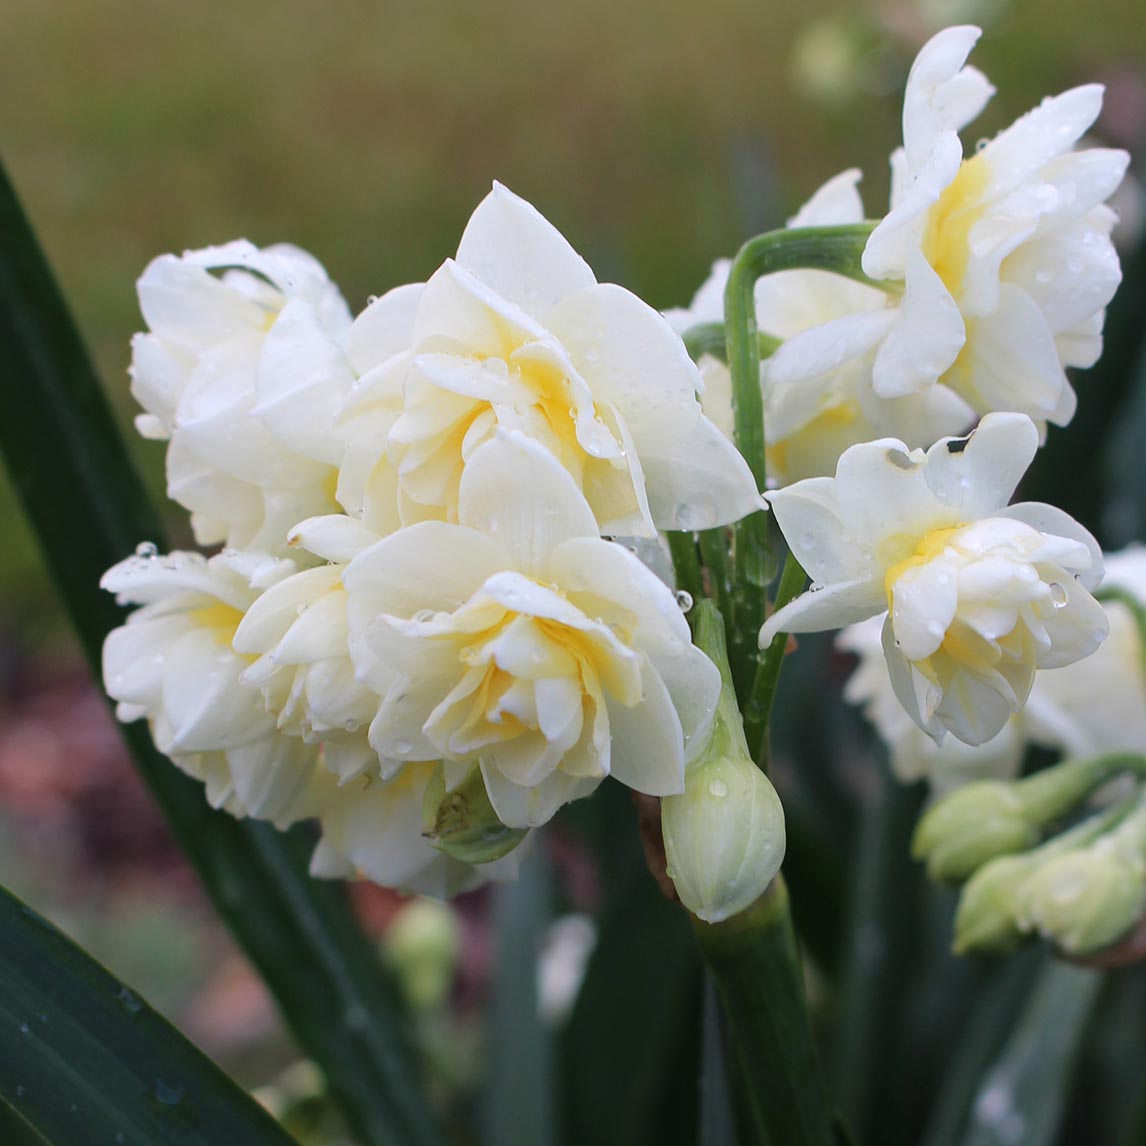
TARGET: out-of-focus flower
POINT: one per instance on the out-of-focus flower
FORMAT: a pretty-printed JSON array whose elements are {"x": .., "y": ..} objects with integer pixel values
[
  {"x": 516, "y": 333},
  {"x": 1099, "y": 704},
  {"x": 424, "y": 945},
  {"x": 1005, "y": 257},
  {"x": 241, "y": 369},
  {"x": 914, "y": 755},
  {"x": 519, "y": 639},
  {"x": 979, "y": 595},
  {"x": 1086, "y": 898},
  {"x": 172, "y": 664},
  {"x": 818, "y": 400},
  {"x": 989, "y": 818}
]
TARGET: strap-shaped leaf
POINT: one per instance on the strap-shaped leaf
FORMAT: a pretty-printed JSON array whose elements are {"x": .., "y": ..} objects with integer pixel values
[
  {"x": 88, "y": 509},
  {"x": 85, "y": 1059}
]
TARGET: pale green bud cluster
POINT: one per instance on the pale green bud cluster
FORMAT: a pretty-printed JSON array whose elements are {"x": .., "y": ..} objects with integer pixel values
[
  {"x": 1081, "y": 891},
  {"x": 724, "y": 835},
  {"x": 978, "y": 822},
  {"x": 974, "y": 824}
]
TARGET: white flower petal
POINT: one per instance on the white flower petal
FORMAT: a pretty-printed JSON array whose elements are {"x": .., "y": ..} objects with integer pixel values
[
  {"x": 832, "y": 607},
  {"x": 979, "y": 476},
  {"x": 385, "y": 328},
  {"x": 648, "y": 743},
  {"x": 515, "y": 490},
  {"x": 518, "y": 253},
  {"x": 926, "y": 338}
]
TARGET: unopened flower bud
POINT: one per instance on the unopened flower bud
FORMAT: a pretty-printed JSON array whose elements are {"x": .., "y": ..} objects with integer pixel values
[
  {"x": 463, "y": 824},
  {"x": 724, "y": 835},
  {"x": 986, "y": 918},
  {"x": 972, "y": 825},
  {"x": 1086, "y": 898},
  {"x": 423, "y": 944},
  {"x": 992, "y": 818}
]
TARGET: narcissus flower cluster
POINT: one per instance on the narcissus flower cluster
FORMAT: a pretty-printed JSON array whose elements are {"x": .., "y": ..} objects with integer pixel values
[{"x": 440, "y": 607}]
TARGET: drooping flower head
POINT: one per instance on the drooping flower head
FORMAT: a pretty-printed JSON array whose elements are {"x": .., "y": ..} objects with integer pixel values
[
  {"x": 979, "y": 594},
  {"x": 516, "y": 333},
  {"x": 519, "y": 640},
  {"x": 241, "y": 371}
]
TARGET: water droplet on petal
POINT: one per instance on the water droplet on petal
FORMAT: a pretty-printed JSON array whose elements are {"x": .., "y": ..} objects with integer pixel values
[
  {"x": 1058, "y": 594},
  {"x": 717, "y": 788},
  {"x": 423, "y": 615},
  {"x": 684, "y": 600},
  {"x": 146, "y": 549}
]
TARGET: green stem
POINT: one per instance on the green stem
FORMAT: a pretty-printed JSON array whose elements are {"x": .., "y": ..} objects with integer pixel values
[
  {"x": 758, "y": 710},
  {"x": 708, "y": 338},
  {"x": 758, "y": 974},
  {"x": 71, "y": 470},
  {"x": 835, "y": 249},
  {"x": 1051, "y": 793},
  {"x": 686, "y": 564},
  {"x": 714, "y": 554}
]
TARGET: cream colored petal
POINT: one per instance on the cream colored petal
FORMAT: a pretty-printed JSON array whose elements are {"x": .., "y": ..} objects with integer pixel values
[
  {"x": 515, "y": 491},
  {"x": 518, "y": 253}
]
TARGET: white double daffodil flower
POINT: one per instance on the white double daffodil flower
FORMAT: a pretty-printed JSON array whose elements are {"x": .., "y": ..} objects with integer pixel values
[
  {"x": 173, "y": 664},
  {"x": 519, "y": 640},
  {"x": 1005, "y": 256},
  {"x": 241, "y": 371},
  {"x": 516, "y": 333},
  {"x": 979, "y": 594}
]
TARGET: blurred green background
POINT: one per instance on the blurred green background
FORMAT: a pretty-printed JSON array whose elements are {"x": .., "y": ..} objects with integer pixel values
[{"x": 656, "y": 134}]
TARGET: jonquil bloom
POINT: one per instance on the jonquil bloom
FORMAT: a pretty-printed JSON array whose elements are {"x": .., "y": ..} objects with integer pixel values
[
  {"x": 172, "y": 664},
  {"x": 519, "y": 640},
  {"x": 233, "y": 373},
  {"x": 1004, "y": 256},
  {"x": 516, "y": 333},
  {"x": 979, "y": 594}
]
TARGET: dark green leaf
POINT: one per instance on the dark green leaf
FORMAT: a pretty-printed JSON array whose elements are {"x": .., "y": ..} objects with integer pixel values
[
  {"x": 630, "y": 1052},
  {"x": 1021, "y": 1098},
  {"x": 520, "y": 1106},
  {"x": 84, "y": 1059}
]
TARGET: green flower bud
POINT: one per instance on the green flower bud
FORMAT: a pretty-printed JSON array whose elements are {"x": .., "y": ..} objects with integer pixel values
[
  {"x": 987, "y": 916},
  {"x": 724, "y": 835},
  {"x": 1086, "y": 899},
  {"x": 463, "y": 824},
  {"x": 972, "y": 825},
  {"x": 424, "y": 944}
]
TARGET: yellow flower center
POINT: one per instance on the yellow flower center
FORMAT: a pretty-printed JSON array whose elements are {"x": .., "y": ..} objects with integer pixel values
[
  {"x": 929, "y": 546},
  {"x": 222, "y": 619},
  {"x": 949, "y": 222}
]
